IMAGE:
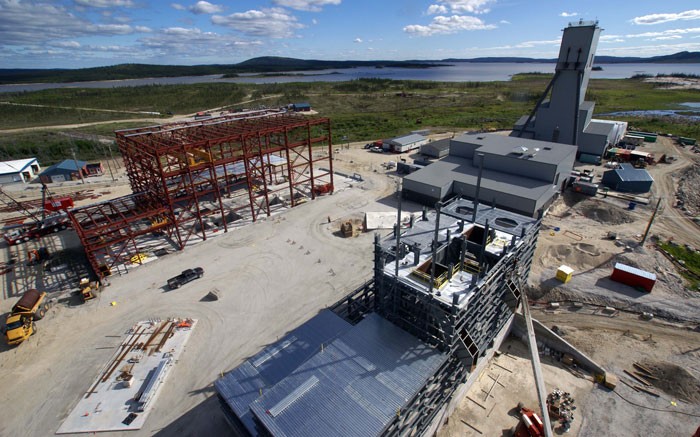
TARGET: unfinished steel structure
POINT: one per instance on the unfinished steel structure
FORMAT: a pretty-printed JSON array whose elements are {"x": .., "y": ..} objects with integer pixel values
[
  {"x": 193, "y": 179},
  {"x": 453, "y": 280},
  {"x": 443, "y": 296}
]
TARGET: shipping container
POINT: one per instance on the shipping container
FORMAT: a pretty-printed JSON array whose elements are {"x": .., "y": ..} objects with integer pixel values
[
  {"x": 585, "y": 187},
  {"x": 634, "y": 277}
]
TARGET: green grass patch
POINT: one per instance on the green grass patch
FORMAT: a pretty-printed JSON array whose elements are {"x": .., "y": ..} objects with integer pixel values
[
  {"x": 361, "y": 110},
  {"x": 690, "y": 259}
]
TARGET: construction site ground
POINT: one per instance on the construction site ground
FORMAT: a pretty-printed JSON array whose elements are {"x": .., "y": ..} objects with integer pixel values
[{"x": 278, "y": 272}]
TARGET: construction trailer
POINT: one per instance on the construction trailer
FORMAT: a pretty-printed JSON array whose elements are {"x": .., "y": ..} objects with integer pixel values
[
  {"x": 441, "y": 301},
  {"x": 192, "y": 179}
]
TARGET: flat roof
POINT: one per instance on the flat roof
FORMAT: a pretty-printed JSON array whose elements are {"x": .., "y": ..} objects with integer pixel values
[
  {"x": 352, "y": 386},
  {"x": 15, "y": 166},
  {"x": 502, "y": 145},
  {"x": 455, "y": 169},
  {"x": 599, "y": 128},
  {"x": 241, "y": 386},
  {"x": 409, "y": 139}
]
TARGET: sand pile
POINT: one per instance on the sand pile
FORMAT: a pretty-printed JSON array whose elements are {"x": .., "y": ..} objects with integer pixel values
[
  {"x": 578, "y": 256},
  {"x": 674, "y": 380},
  {"x": 605, "y": 214}
]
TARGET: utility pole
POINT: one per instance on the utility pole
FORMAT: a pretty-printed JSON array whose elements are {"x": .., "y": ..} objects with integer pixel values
[
  {"x": 80, "y": 170},
  {"x": 651, "y": 219}
]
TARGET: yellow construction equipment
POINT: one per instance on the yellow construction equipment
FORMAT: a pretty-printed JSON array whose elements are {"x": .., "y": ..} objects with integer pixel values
[
  {"x": 20, "y": 322},
  {"x": 88, "y": 289}
]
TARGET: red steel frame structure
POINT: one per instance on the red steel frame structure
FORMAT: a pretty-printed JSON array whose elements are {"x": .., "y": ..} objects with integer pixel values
[{"x": 175, "y": 168}]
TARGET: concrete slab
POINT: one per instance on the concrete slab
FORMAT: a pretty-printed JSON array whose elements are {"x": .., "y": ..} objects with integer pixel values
[{"x": 125, "y": 390}]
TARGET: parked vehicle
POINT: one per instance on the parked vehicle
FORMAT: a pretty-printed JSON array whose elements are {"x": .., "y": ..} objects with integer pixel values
[
  {"x": 20, "y": 323},
  {"x": 185, "y": 277}
]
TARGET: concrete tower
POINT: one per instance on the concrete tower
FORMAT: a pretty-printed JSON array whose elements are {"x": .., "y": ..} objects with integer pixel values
[{"x": 564, "y": 116}]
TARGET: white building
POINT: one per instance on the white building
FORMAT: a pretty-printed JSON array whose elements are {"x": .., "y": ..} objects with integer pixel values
[{"x": 19, "y": 170}]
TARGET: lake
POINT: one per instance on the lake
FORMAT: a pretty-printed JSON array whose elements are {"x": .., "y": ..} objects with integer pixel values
[{"x": 456, "y": 72}]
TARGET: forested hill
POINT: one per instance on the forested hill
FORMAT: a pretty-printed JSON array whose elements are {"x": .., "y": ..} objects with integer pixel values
[{"x": 271, "y": 64}]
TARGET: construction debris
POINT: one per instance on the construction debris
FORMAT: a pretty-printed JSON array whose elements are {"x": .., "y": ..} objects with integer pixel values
[{"x": 135, "y": 387}]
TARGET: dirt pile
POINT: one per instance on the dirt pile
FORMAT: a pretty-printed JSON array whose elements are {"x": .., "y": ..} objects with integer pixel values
[
  {"x": 688, "y": 194},
  {"x": 603, "y": 213},
  {"x": 578, "y": 256},
  {"x": 674, "y": 380}
]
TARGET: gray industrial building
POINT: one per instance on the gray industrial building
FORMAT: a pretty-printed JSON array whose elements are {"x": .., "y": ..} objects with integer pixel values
[
  {"x": 436, "y": 149},
  {"x": 628, "y": 179},
  {"x": 565, "y": 117},
  {"x": 396, "y": 355},
  {"x": 517, "y": 174}
]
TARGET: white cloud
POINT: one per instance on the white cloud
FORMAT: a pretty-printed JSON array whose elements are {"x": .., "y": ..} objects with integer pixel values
[
  {"x": 26, "y": 23},
  {"x": 504, "y": 22},
  {"x": 273, "y": 22},
  {"x": 178, "y": 6},
  {"x": 65, "y": 44},
  {"x": 649, "y": 50},
  {"x": 306, "y": 5},
  {"x": 193, "y": 43},
  {"x": 358, "y": 40},
  {"x": 463, "y": 6},
  {"x": 437, "y": 10},
  {"x": 446, "y": 25},
  {"x": 666, "y": 38},
  {"x": 529, "y": 44},
  {"x": 106, "y": 3},
  {"x": 202, "y": 7},
  {"x": 568, "y": 14},
  {"x": 668, "y": 32},
  {"x": 693, "y": 14}
]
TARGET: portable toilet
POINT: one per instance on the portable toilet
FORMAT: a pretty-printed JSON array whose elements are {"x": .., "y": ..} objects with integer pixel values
[{"x": 564, "y": 273}]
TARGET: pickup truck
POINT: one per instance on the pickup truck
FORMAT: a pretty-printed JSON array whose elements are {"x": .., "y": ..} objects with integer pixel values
[{"x": 185, "y": 277}]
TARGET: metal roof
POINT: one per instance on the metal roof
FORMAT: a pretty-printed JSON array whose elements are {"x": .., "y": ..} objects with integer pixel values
[
  {"x": 599, "y": 128},
  {"x": 353, "y": 387},
  {"x": 242, "y": 385},
  {"x": 627, "y": 173},
  {"x": 455, "y": 169},
  {"x": 16, "y": 166},
  {"x": 65, "y": 165},
  {"x": 408, "y": 139}
]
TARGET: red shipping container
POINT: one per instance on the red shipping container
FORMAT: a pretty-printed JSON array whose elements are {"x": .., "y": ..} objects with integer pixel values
[
  {"x": 58, "y": 204},
  {"x": 633, "y": 277}
]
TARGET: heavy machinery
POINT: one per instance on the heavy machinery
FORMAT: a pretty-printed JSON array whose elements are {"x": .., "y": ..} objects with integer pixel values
[
  {"x": 88, "y": 289},
  {"x": 20, "y": 322},
  {"x": 40, "y": 225},
  {"x": 530, "y": 424}
]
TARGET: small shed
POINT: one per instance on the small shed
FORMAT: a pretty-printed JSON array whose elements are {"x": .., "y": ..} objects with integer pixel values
[
  {"x": 67, "y": 170},
  {"x": 406, "y": 143},
  {"x": 19, "y": 171},
  {"x": 436, "y": 149},
  {"x": 633, "y": 277},
  {"x": 628, "y": 179},
  {"x": 301, "y": 107}
]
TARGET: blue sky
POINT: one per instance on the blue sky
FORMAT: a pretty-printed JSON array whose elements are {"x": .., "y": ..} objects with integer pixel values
[{"x": 87, "y": 33}]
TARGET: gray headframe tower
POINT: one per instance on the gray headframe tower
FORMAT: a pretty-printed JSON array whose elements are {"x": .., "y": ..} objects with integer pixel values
[{"x": 563, "y": 117}]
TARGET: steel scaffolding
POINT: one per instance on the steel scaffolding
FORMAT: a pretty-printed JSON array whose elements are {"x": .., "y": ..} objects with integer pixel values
[{"x": 195, "y": 178}]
